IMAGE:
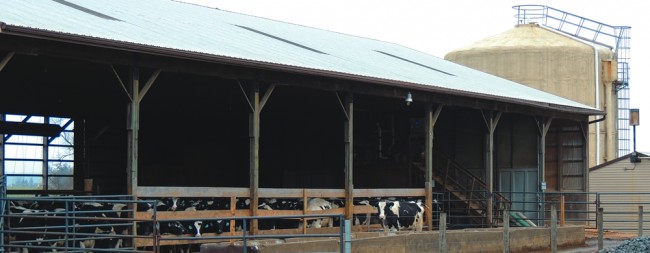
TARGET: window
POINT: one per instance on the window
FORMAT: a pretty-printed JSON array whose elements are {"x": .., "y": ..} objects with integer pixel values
[{"x": 39, "y": 162}]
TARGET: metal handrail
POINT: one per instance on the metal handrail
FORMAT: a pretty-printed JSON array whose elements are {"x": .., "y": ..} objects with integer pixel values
[
  {"x": 443, "y": 166},
  {"x": 66, "y": 227}
]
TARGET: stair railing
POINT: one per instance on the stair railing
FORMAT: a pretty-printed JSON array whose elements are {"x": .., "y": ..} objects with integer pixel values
[{"x": 460, "y": 181}]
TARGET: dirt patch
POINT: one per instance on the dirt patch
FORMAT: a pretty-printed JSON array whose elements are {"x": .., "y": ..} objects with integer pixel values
[{"x": 592, "y": 233}]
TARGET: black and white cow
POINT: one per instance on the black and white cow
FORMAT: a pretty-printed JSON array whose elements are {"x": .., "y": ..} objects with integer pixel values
[
  {"x": 100, "y": 219},
  {"x": 397, "y": 215},
  {"x": 31, "y": 239}
]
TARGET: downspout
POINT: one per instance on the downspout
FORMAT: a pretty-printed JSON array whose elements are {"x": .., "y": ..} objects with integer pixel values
[{"x": 597, "y": 86}]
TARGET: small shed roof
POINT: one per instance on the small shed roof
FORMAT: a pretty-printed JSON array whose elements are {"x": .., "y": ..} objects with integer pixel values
[
  {"x": 625, "y": 157},
  {"x": 176, "y": 28}
]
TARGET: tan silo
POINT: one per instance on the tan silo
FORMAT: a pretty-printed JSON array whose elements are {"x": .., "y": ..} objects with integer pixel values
[{"x": 555, "y": 63}]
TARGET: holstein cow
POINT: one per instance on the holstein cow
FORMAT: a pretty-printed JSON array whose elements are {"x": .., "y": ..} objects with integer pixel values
[
  {"x": 401, "y": 214},
  {"x": 316, "y": 204}
]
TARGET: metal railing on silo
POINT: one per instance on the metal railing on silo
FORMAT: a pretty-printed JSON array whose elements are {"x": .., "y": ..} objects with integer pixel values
[{"x": 615, "y": 37}]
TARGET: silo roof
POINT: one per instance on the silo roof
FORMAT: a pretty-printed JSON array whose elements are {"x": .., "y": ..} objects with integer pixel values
[
  {"x": 530, "y": 36},
  {"x": 175, "y": 28}
]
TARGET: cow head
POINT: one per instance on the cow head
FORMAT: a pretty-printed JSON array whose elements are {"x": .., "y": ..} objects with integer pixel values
[
  {"x": 174, "y": 204},
  {"x": 197, "y": 227},
  {"x": 381, "y": 205}
]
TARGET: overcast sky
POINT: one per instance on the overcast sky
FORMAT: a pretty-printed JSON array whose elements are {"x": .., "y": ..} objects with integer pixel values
[{"x": 438, "y": 27}]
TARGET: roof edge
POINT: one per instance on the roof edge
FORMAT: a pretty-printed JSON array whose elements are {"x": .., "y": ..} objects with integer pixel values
[
  {"x": 196, "y": 56},
  {"x": 602, "y": 165}
]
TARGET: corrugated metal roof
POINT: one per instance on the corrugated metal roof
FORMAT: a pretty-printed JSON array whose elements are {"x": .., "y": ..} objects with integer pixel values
[
  {"x": 196, "y": 29},
  {"x": 622, "y": 158}
]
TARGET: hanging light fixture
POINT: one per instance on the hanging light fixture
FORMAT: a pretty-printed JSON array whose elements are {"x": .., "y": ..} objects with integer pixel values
[{"x": 408, "y": 99}]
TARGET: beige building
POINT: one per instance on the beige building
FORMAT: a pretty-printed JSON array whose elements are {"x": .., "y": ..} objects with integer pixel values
[
  {"x": 622, "y": 187},
  {"x": 559, "y": 64}
]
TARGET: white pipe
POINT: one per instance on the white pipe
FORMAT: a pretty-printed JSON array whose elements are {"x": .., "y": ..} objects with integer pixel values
[{"x": 597, "y": 85}]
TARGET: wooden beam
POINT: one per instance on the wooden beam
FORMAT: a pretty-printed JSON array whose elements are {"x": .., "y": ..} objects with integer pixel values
[
  {"x": 6, "y": 59},
  {"x": 345, "y": 113},
  {"x": 266, "y": 96},
  {"x": 147, "y": 85},
  {"x": 26, "y": 128},
  {"x": 196, "y": 192},
  {"x": 119, "y": 80},
  {"x": 241, "y": 192},
  {"x": 254, "y": 135},
  {"x": 348, "y": 142},
  {"x": 369, "y": 193}
]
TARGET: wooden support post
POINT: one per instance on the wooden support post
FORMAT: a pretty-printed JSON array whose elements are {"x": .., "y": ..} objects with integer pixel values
[
  {"x": 553, "y": 229},
  {"x": 542, "y": 127},
  {"x": 431, "y": 119},
  {"x": 562, "y": 203},
  {"x": 254, "y": 135},
  {"x": 133, "y": 127},
  {"x": 442, "y": 236},
  {"x": 304, "y": 210},
  {"x": 491, "y": 121},
  {"x": 599, "y": 224},
  {"x": 640, "y": 221},
  {"x": 428, "y": 150},
  {"x": 233, "y": 208},
  {"x": 133, "y": 123},
  {"x": 506, "y": 230},
  {"x": 348, "y": 140}
]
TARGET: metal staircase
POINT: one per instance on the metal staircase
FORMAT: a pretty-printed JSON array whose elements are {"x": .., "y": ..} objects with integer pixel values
[
  {"x": 470, "y": 192},
  {"x": 615, "y": 37}
]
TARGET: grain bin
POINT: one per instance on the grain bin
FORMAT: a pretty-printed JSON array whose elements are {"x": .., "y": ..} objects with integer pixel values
[{"x": 556, "y": 63}]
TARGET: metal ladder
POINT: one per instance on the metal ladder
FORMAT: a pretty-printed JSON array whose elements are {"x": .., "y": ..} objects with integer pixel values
[{"x": 615, "y": 37}]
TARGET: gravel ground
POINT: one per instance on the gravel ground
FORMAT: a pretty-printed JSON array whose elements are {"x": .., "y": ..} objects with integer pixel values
[{"x": 639, "y": 244}]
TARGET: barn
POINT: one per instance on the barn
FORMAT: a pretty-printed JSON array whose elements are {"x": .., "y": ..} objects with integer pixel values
[
  {"x": 622, "y": 188},
  {"x": 160, "y": 98}
]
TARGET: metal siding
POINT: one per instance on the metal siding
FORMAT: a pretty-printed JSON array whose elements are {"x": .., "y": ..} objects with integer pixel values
[
  {"x": 191, "y": 28},
  {"x": 622, "y": 176}
]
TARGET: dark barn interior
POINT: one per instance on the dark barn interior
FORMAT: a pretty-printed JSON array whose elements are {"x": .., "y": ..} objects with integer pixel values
[{"x": 194, "y": 129}]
